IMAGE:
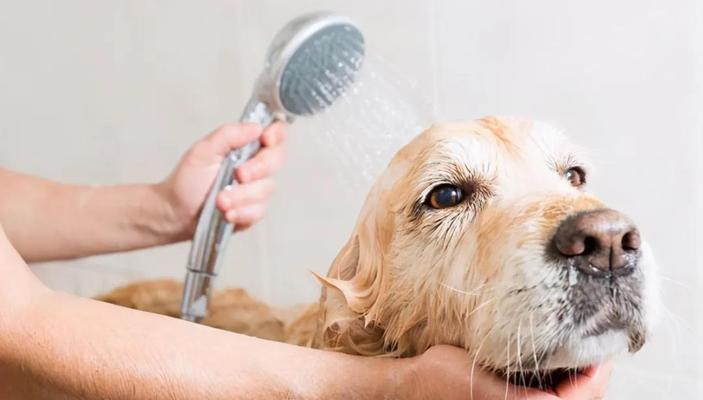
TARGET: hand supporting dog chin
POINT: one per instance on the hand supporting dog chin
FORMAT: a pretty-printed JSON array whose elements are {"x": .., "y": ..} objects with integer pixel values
[{"x": 446, "y": 372}]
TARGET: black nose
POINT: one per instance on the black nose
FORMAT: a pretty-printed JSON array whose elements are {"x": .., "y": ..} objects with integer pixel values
[{"x": 601, "y": 242}]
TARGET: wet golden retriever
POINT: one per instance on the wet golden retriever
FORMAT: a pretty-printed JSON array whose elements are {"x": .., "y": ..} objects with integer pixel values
[{"x": 481, "y": 235}]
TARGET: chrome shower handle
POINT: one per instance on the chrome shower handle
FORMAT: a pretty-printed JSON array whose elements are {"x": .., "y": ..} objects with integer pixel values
[{"x": 212, "y": 231}]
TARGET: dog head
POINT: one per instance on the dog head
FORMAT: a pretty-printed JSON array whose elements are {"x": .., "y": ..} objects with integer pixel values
[{"x": 483, "y": 235}]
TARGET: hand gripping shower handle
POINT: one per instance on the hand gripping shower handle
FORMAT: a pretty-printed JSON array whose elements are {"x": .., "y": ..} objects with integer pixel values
[
  {"x": 213, "y": 231},
  {"x": 309, "y": 63}
]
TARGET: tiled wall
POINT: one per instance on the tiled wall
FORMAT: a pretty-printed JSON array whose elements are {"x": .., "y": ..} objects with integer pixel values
[{"x": 109, "y": 92}]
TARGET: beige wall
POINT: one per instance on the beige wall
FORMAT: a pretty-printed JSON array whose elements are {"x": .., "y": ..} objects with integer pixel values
[{"x": 113, "y": 91}]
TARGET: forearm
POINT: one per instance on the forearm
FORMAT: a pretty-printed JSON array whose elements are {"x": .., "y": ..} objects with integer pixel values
[
  {"x": 83, "y": 349},
  {"x": 56, "y": 346},
  {"x": 47, "y": 220}
]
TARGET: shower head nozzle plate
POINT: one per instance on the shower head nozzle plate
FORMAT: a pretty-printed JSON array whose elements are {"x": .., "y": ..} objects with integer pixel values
[{"x": 312, "y": 61}]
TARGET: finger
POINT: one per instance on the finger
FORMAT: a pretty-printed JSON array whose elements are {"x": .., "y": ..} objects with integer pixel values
[
  {"x": 591, "y": 384},
  {"x": 486, "y": 385},
  {"x": 264, "y": 163},
  {"x": 463, "y": 378},
  {"x": 243, "y": 218},
  {"x": 233, "y": 135},
  {"x": 274, "y": 134},
  {"x": 239, "y": 196}
]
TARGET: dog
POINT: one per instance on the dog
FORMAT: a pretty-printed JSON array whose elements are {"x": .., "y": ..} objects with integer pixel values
[{"x": 480, "y": 235}]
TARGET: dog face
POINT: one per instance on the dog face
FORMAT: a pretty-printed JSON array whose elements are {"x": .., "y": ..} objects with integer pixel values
[{"x": 483, "y": 235}]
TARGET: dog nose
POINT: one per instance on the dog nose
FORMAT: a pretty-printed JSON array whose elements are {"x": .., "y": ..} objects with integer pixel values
[{"x": 601, "y": 242}]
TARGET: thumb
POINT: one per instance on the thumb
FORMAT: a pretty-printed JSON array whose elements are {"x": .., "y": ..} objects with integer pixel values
[{"x": 232, "y": 136}]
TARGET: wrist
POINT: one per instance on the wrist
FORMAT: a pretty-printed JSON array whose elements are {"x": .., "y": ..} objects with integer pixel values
[
  {"x": 402, "y": 379},
  {"x": 163, "y": 218},
  {"x": 378, "y": 378}
]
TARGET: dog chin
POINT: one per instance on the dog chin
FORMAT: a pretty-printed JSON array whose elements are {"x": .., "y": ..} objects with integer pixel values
[{"x": 581, "y": 352}]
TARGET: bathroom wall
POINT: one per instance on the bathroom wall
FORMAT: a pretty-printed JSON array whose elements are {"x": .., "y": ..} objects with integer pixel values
[{"x": 112, "y": 92}]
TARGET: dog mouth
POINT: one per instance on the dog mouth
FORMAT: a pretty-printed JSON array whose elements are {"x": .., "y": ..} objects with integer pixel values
[
  {"x": 607, "y": 328},
  {"x": 599, "y": 309},
  {"x": 604, "y": 326},
  {"x": 634, "y": 329}
]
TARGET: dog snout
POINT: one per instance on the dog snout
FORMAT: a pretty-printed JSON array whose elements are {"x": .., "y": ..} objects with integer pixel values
[{"x": 601, "y": 242}]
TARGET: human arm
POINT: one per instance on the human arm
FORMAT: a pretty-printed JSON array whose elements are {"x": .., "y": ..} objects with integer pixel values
[
  {"x": 48, "y": 220},
  {"x": 57, "y": 346}
]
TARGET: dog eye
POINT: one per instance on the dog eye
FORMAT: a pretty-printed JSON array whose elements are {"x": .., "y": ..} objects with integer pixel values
[
  {"x": 576, "y": 176},
  {"x": 444, "y": 196}
]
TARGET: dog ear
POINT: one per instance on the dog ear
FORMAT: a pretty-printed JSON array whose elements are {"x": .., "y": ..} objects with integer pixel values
[
  {"x": 344, "y": 266},
  {"x": 354, "y": 283}
]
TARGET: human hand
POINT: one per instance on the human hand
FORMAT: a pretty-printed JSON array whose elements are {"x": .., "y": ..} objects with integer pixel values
[
  {"x": 589, "y": 385},
  {"x": 243, "y": 204},
  {"x": 446, "y": 372}
]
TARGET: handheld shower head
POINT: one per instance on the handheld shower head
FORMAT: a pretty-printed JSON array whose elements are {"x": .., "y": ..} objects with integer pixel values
[
  {"x": 311, "y": 61},
  {"x": 309, "y": 64}
]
